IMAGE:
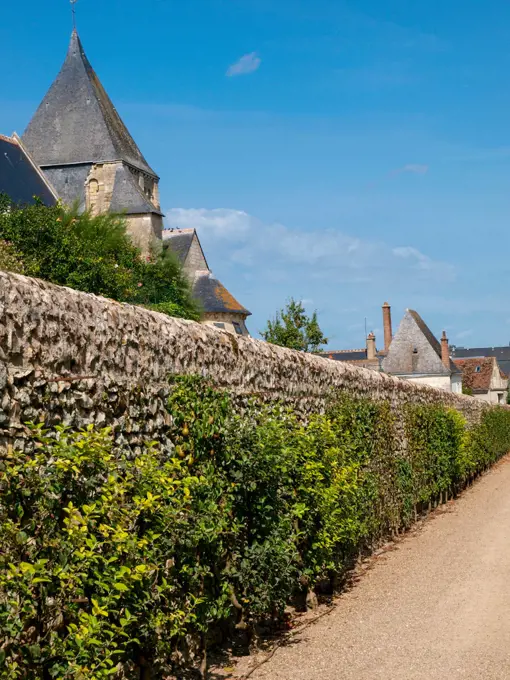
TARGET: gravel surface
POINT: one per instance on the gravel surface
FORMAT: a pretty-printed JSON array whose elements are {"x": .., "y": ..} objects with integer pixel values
[{"x": 436, "y": 607}]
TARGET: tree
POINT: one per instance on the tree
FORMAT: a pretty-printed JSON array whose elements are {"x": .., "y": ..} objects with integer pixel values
[
  {"x": 293, "y": 328},
  {"x": 94, "y": 254}
]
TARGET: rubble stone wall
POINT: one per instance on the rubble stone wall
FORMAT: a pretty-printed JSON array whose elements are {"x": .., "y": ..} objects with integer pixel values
[{"x": 72, "y": 358}]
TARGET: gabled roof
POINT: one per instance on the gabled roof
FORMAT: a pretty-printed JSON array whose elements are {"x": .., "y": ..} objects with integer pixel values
[
  {"x": 477, "y": 372},
  {"x": 415, "y": 350},
  {"x": 431, "y": 338},
  {"x": 179, "y": 240},
  {"x": 127, "y": 195},
  {"x": 20, "y": 178},
  {"x": 77, "y": 123},
  {"x": 214, "y": 297}
]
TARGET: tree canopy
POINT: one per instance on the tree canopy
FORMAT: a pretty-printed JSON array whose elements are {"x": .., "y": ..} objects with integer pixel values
[
  {"x": 293, "y": 328},
  {"x": 93, "y": 254}
]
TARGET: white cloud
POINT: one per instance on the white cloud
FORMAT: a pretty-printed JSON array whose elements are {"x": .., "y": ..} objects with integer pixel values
[
  {"x": 222, "y": 222},
  {"x": 416, "y": 168},
  {"x": 420, "y": 261},
  {"x": 412, "y": 168},
  {"x": 248, "y": 63},
  {"x": 275, "y": 251},
  {"x": 464, "y": 334}
]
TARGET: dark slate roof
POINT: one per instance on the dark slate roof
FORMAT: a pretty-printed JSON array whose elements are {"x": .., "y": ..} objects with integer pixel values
[
  {"x": 179, "y": 241},
  {"x": 69, "y": 182},
  {"x": 502, "y": 354},
  {"x": 416, "y": 350},
  {"x": 77, "y": 122},
  {"x": 127, "y": 195},
  {"x": 214, "y": 297},
  {"x": 345, "y": 354},
  {"x": 20, "y": 178}
]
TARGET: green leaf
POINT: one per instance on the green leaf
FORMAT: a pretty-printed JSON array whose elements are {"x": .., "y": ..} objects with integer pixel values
[{"x": 121, "y": 587}]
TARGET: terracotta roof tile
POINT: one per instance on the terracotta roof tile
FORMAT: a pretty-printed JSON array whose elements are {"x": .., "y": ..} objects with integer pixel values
[
  {"x": 477, "y": 372},
  {"x": 213, "y": 295}
]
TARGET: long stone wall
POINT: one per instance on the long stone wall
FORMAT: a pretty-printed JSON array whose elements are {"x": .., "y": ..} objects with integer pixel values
[{"x": 72, "y": 358}]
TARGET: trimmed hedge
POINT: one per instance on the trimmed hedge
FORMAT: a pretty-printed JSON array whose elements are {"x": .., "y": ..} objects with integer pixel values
[{"x": 118, "y": 566}]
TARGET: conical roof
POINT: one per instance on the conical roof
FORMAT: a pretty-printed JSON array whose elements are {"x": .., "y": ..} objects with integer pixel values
[{"x": 77, "y": 122}]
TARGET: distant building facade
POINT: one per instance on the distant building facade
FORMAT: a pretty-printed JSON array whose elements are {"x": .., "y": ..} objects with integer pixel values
[
  {"x": 416, "y": 355},
  {"x": 483, "y": 378}
]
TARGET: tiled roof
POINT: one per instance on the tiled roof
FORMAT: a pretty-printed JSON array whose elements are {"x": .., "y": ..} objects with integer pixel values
[
  {"x": 502, "y": 354},
  {"x": 179, "y": 240},
  {"x": 214, "y": 297},
  {"x": 77, "y": 123},
  {"x": 20, "y": 178},
  {"x": 477, "y": 372}
]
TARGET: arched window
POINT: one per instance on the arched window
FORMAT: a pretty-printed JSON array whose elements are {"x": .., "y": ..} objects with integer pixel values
[{"x": 93, "y": 195}]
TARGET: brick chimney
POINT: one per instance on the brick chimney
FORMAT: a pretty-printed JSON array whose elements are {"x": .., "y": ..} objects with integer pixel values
[
  {"x": 371, "y": 350},
  {"x": 445, "y": 350},
  {"x": 388, "y": 334}
]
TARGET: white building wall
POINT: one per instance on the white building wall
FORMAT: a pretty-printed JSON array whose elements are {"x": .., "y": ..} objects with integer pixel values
[
  {"x": 225, "y": 322},
  {"x": 440, "y": 382},
  {"x": 456, "y": 381}
]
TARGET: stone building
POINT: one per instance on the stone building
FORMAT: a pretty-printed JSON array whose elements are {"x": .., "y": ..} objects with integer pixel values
[
  {"x": 86, "y": 152},
  {"x": 484, "y": 379},
  {"x": 80, "y": 142},
  {"x": 415, "y": 354},
  {"x": 219, "y": 307}
]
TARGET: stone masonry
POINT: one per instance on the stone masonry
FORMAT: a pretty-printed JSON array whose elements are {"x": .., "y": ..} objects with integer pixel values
[{"x": 72, "y": 358}]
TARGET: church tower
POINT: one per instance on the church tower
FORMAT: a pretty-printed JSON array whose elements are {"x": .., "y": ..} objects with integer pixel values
[{"x": 79, "y": 140}]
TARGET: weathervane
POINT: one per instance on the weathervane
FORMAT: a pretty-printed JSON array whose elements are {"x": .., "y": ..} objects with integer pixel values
[{"x": 73, "y": 9}]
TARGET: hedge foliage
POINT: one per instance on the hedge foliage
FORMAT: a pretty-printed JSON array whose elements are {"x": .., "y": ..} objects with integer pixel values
[
  {"x": 93, "y": 254},
  {"x": 111, "y": 564}
]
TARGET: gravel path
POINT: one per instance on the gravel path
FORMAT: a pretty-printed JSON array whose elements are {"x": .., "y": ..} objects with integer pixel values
[{"x": 437, "y": 607}]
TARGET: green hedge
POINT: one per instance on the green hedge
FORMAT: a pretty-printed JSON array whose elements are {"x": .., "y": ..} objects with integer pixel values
[{"x": 111, "y": 564}]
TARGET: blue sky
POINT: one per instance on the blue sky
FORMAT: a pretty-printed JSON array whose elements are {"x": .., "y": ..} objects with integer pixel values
[{"x": 344, "y": 153}]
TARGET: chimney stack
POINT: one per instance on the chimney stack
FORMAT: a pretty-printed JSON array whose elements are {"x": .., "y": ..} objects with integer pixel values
[
  {"x": 445, "y": 350},
  {"x": 371, "y": 350},
  {"x": 388, "y": 334}
]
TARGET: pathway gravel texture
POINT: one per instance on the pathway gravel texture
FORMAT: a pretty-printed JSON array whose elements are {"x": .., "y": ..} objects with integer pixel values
[{"x": 436, "y": 607}]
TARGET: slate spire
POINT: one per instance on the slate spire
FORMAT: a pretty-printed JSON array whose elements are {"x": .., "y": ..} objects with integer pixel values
[{"x": 77, "y": 123}]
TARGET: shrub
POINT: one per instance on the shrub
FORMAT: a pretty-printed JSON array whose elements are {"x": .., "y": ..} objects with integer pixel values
[
  {"x": 112, "y": 564},
  {"x": 95, "y": 255},
  {"x": 10, "y": 259}
]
